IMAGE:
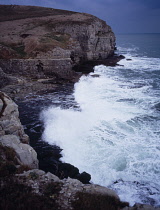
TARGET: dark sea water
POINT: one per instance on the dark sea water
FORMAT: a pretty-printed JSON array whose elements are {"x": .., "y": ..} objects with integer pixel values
[
  {"x": 145, "y": 44},
  {"x": 109, "y": 126}
]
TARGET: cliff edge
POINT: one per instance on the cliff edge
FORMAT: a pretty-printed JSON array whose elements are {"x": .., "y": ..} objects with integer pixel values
[{"x": 42, "y": 42}]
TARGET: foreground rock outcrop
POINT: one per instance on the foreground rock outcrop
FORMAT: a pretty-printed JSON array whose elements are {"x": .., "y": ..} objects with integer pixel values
[
  {"x": 16, "y": 156},
  {"x": 44, "y": 45},
  {"x": 42, "y": 42},
  {"x": 41, "y": 48},
  {"x": 72, "y": 194},
  {"x": 22, "y": 188},
  {"x": 12, "y": 134}
]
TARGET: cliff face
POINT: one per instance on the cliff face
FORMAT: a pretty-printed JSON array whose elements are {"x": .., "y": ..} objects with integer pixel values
[
  {"x": 56, "y": 40},
  {"x": 12, "y": 134}
]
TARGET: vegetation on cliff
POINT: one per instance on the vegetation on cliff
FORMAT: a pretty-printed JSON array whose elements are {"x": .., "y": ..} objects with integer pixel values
[
  {"x": 37, "y": 32},
  {"x": 51, "y": 44},
  {"x": 35, "y": 43}
]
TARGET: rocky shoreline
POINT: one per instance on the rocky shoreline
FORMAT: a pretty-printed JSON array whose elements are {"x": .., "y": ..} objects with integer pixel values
[
  {"x": 42, "y": 50},
  {"x": 17, "y": 163},
  {"x": 18, "y": 87}
]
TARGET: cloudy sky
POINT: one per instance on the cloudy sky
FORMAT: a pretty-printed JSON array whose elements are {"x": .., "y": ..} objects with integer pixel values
[{"x": 124, "y": 16}]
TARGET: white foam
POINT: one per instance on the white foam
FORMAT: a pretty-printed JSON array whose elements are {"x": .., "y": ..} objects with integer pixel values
[
  {"x": 112, "y": 137},
  {"x": 141, "y": 63}
]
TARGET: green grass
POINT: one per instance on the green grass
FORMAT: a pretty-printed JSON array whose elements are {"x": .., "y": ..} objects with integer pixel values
[
  {"x": 62, "y": 38},
  {"x": 16, "y": 48},
  {"x": 19, "y": 50},
  {"x": 52, "y": 40},
  {"x": 11, "y": 12}
]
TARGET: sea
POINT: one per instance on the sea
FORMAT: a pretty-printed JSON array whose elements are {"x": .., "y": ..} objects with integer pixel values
[{"x": 112, "y": 130}]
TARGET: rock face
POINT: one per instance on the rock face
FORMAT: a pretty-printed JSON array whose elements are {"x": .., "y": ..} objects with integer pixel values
[
  {"x": 42, "y": 41},
  {"x": 38, "y": 68},
  {"x": 72, "y": 193},
  {"x": 12, "y": 134}
]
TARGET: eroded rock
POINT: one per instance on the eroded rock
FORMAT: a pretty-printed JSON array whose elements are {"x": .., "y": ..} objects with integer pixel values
[
  {"x": 12, "y": 133},
  {"x": 71, "y": 191},
  {"x": 53, "y": 43},
  {"x": 26, "y": 155},
  {"x": 9, "y": 119}
]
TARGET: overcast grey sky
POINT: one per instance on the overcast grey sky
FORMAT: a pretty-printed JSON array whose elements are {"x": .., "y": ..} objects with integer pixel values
[{"x": 124, "y": 16}]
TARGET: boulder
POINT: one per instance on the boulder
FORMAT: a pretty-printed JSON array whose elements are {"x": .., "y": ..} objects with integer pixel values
[
  {"x": 66, "y": 170},
  {"x": 71, "y": 194},
  {"x": 84, "y": 178},
  {"x": 12, "y": 133},
  {"x": 25, "y": 154},
  {"x": 9, "y": 119}
]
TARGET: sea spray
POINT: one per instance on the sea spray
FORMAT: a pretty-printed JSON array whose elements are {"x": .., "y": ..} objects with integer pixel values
[{"x": 114, "y": 134}]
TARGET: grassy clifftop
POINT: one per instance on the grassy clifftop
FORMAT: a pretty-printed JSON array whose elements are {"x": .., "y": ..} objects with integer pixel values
[
  {"x": 27, "y": 30},
  {"x": 14, "y": 12},
  {"x": 31, "y": 32}
]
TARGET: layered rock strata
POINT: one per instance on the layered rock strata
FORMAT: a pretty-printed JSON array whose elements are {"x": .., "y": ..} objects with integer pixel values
[
  {"x": 41, "y": 42},
  {"x": 12, "y": 133}
]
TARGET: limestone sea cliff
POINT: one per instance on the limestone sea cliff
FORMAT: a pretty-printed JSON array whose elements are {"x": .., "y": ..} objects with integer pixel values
[
  {"x": 39, "y": 49},
  {"x": 41, "y": 42}
]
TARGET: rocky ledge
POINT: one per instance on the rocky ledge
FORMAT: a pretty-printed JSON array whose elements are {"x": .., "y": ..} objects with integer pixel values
[
  {"x": 17, "y": 158},
  {"x": 41, "y": 48},
  {"x": 12, "y": 134},
  {"x": 42, "y": 42},
  {"x": 24, "y": 186}
]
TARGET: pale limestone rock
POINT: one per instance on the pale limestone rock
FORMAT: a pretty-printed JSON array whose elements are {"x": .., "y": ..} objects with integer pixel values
[
  {"x": 9, "y": 119},
  {"x": 37, "y": 171},
  {"x": 12, "y": 133},
  {"x": 37, "y": 179},
  {"x": 50, "y": 176},
  {"x": 24, "y": 152},
  {"x": 55, "y": 46},
  {"x": 100, "y": 190},
  {"x": 47, "y": 177},
  {"x": 69, "y": 188}
]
